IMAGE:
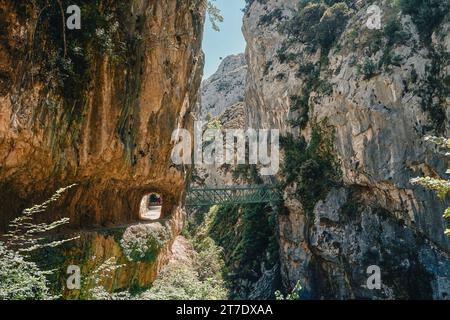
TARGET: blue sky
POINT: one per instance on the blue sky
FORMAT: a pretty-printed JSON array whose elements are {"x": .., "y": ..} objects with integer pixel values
[{"x": 226, "y": 42}]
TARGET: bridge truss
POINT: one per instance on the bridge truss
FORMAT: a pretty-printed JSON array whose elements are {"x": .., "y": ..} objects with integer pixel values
[{"x": 232, "y": 195}]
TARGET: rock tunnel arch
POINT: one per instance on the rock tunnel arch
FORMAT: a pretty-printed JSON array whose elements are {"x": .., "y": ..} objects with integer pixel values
[
  {"x": 151, "y": 207},
  {"x": 155, "y": 205}
]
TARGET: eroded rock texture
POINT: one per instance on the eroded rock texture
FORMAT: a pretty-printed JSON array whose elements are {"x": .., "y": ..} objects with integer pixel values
[
  {"x": 377, "y": 109},
  {"x": 224, "y": 88},
  {"x": 97, "y": 248},
  {"x": 95, "y": 106},
  {"x": 222, "y": 101}
]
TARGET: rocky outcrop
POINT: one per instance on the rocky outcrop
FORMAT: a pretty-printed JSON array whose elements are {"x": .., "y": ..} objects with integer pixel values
[
  {"x": 378, "y": 93},
  {"x": 103, "y": 259},
  {"x": 221, "y": 101},
  {"x": 210, "y": 175},
  {"x": 95, "y": 106},
  {"x": 224, "y": 88}
]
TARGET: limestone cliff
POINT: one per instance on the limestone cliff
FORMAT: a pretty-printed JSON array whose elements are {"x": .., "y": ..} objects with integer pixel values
[
  {"x": 95, "y": 106},
  {"x": 363, "y": 100},
  {"x": 224, "y": 88},
  {"x": 211, "y": 175},
  {"x": 222, "y": 101}
]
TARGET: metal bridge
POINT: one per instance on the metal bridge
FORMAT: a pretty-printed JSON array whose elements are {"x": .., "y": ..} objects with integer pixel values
[{"x": 232, "y": 195}]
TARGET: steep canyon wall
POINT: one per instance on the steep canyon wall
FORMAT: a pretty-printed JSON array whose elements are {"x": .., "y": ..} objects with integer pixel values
[
  {"x": 95, "y": 106},
  {"x": 363, "y": 100}
]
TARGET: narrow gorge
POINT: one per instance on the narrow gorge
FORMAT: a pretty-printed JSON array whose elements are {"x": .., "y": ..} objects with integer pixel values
[{"x": 97, "y": 111}]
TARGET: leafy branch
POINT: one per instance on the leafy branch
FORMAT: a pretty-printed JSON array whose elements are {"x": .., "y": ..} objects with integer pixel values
[
  {"x": 24, "y": 233},
  {"x": 294, "y": 295},
  {"x": 21, "y": 279},
  {"x": 440, "y": 186},
  {"x": 214, "y": 14},
  {"x": 101, "y": 274}
]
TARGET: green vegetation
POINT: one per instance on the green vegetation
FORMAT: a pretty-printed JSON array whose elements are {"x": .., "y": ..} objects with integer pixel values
[
  {"x": 21, "y": 279},
  {"x": 434, "y": 91},
  {"x": 230, "y": 245},
  {"x": 440, "y": 186},
  {"x": 200, "y": 280},
  {"x": 214, "y": 15},
  {"x": 287, "y": 57},
  {"x": 426, "y": 14},
  {"x": 414, "y": 76},
  {"x": 394, "y": 33},
  {"x": 312, "y": 166},
  {"x": 71, "y": 56},
  {"x": 197, "y": 278},
  {"x": 318, "y": 23},
  {"x": 144, "y": 241},
  {"x": 24, "y": 234},
  {"x": 432, "y": 88},
  {"x": 294, "y": 295},
  {"x": 91, "y": 285},
  {"x": 67, "y": 63},
  {"x": 248, "y": 4},
  {"x": 271, "y": 17},
  {"x": 368, "y": 69},
  {"x": 242, "y": 239},
  {"x": 247, "y": 235},
  {"x": 182, "y": 282},
  {"x": 300, "y": 104},
  {"x": 248, "y": 173},
  {"x": 209, "y": 260}
]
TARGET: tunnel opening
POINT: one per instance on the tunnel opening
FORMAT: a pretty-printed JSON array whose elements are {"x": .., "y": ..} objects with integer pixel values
[{"x": 151, "y": 207}]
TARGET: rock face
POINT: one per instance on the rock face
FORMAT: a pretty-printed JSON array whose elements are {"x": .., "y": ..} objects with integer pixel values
[
  {"x": 91, "y": 250},
  {"x": 379, "y": 92},
  {"x": 95, "y": 106},
  {"x": 224, "y": 88},
  {"x": 222, "y": 99},
  {"x": 226, "y": 109},
  {"x": 210, "y": 175}
]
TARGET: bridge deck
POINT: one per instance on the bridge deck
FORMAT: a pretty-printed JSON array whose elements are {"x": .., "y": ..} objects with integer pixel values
[{"x": 230, "y": 195}]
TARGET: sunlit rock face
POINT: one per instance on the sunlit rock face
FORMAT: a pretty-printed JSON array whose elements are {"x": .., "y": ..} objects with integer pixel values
[
  {"x": 233, "y": 118},
  {"x": 222, "y": 99},
  {"x": 224, "y": 88},
  {"x": 95, "y": 106},
  {"x": 379, "y": 120}
]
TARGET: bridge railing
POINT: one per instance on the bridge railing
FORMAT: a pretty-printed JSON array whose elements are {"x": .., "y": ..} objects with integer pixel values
[{"x": 231, "y": 195}]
